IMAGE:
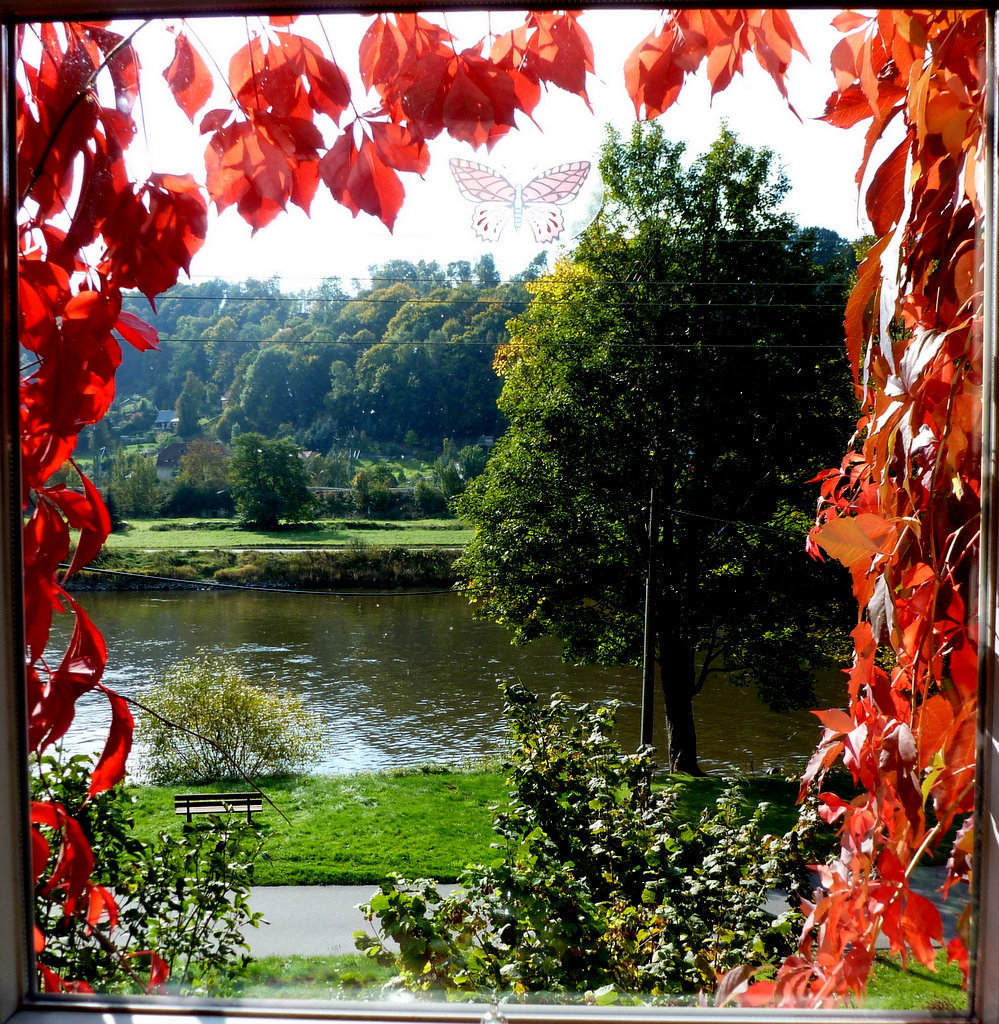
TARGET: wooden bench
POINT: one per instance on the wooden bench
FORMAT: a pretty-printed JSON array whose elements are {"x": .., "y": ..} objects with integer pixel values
[{"x": 218, "y": 803}]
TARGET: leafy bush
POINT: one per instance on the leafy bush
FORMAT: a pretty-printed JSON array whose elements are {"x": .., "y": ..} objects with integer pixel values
[
  {"x": 183, "y": 897},
  {"x": 599, "y": 885},
  {"x": 430, "y": 499},
  {"x": 207, "y": 721}
]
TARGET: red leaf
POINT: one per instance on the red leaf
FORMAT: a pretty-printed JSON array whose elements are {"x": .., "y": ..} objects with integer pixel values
[
  {"x": 214, "y": 121},
  {"x": 360, "y": 180},
  {"x": 100, "y": 905},
  {"x": 399, "y": 148},
  {"x": 261, "y": 164},
  {"x": 157, "y": 232},
  {"x": 188, "y": 76},
  {"x": 137, "y": 332},
  {"x": 159, "y": 973},
  {"x": 886, "y": 193},
  {"x": 87, "y": 513},
  {"x": 110, "y": 769},
  {"x": 654, "y": 75}
]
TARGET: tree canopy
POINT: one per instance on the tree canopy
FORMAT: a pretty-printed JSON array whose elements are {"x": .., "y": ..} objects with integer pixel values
[
  {"x": 268, "y": 480},
  {"x": 683, "y": 365}
]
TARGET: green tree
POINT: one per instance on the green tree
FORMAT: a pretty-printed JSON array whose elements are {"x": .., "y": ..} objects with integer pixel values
[
  {"x": 133, "y": 485},
  {"x": 189, "y": 402},
  {"x": 202, "y": 485},
  {"x": 269, "y": 481},
  {"x": 683, "y": 369}
]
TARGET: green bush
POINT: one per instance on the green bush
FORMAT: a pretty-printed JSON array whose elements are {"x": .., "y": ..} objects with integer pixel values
[
  {"x": 183, "y": 897},
  {"x": 206, "y": 721},
  {"x": 599, "y": 886}
]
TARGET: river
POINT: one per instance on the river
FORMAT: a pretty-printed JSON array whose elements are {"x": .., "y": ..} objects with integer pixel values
[{"x": 408, "y": 679}]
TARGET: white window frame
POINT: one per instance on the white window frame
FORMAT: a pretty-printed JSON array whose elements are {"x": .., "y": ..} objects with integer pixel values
[{"x": 19, "y": 1004}]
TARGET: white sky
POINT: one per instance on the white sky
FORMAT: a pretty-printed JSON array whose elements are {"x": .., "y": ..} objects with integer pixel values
[{"x": 435, "y": 221}]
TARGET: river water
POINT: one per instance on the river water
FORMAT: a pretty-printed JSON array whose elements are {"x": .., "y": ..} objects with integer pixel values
[{"x": 408, "y": 679}]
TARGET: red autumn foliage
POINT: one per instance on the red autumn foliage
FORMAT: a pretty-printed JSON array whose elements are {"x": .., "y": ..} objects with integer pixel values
[{"x": 901, "y": 512}]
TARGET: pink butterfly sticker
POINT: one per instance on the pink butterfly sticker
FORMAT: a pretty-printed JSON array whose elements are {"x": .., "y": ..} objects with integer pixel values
[{"x": 498, "y": 203}]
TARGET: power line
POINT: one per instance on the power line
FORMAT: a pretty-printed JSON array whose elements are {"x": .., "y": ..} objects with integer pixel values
[
  {"x": 458, "y": 343},
  {"x": 308, "y": 298}
]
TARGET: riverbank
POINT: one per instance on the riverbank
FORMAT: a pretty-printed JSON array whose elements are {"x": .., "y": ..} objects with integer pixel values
[
  {"x": 356, "y": 566},
  {"x": 430, "y": 822}
]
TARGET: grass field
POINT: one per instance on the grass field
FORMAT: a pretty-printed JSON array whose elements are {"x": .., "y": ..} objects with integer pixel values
[
  {"x": 156, "y": 534},
  {"x": 356, "y": 829},
  {"x": 349, "y": 830},
  {"x": 355, "y": 976}
]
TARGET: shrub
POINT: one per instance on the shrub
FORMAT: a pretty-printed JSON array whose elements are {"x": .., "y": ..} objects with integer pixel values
[
  {"x": 599, "y": 885},
  {"x": 183, "y": 897},
  {"x": 240, "y": 575},
  {"x": 207, "y": 721},
  {"x": 430, "y": 499}
]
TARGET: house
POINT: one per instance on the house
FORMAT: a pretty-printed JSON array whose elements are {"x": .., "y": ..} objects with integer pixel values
[
  {"x": 168, "y": 460},
  {"x": 166, "y": 419}
]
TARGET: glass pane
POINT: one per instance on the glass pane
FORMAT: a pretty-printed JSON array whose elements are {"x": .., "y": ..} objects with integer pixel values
[{"x": 354, "y": 348}]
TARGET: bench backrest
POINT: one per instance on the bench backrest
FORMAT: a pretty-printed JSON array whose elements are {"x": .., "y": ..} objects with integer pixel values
[{"x": 217, "y": 803}]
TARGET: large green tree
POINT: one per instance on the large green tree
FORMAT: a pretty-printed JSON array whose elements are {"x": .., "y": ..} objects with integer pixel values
[
  {"x": 670, "y": 391},
  {"x": 269, "y": 481}
]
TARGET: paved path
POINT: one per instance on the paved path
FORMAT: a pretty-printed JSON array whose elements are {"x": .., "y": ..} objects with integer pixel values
[
  {"x": 310, "y": 920},
  {"x": 320, "y": 920}
]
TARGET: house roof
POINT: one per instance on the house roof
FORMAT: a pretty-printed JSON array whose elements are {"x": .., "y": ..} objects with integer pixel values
[
  {"x": 171, "y": 455},
  {"x": 166, "y": 417}
]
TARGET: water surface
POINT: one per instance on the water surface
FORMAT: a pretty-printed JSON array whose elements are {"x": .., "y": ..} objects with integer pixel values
[{"x": 402, "y": 680}]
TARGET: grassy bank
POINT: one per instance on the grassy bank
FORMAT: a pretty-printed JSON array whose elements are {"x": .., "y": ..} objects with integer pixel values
[
  {"x": 351, "y": 830},
  {"x": 351, "y": 567},
  {"x": 144, "y": 534}
]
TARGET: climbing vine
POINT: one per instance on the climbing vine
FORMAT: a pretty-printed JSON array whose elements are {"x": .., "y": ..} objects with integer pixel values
[{"x": 901, "y": 512}]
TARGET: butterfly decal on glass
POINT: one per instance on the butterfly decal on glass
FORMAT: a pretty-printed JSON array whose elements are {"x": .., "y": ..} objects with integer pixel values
[{"x": 498, "y": 203}]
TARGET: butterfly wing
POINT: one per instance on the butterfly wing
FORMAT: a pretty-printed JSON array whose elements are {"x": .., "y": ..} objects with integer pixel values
[
  {"x": 559, "y": 185},
  {"x": 481, "y": 184},
  {"x": 546, "y": 221},
  {"x": 490, "y": 219},
  {"x": 493, "y": 195},
  {"x": 542, "y": 196}
]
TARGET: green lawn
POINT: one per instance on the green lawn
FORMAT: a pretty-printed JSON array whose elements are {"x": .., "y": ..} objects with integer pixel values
[
  {"x": 195, "y": 534},
  {"x": 355, "y": 829},
  {"x": 350, "y": 830}
]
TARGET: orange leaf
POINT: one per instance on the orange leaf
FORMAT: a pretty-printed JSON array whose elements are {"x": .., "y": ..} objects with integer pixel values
[{"x": 854, "y": 539}]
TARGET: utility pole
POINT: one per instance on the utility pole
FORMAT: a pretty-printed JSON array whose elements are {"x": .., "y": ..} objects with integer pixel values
[{"x": 649, "y": 636}]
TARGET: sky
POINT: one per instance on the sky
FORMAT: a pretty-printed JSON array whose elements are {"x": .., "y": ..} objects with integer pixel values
[{"x": 435, "y": 222}]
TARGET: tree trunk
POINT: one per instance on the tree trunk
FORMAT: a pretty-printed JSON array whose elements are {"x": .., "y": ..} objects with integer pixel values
[{"x": 678, "y": 698}]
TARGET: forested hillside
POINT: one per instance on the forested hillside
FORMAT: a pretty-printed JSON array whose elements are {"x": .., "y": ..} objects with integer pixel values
[{"x": 408, "y": 355}]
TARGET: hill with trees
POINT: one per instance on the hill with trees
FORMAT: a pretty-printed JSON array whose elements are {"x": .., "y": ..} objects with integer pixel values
[{"x": 407, "y": 358}]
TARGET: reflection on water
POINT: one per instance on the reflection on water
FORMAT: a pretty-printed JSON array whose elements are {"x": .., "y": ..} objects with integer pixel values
[{"x": 402, "y": 680}]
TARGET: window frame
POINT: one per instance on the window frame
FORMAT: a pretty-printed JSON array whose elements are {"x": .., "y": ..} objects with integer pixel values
[{"x": 19, "y": 1004}]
